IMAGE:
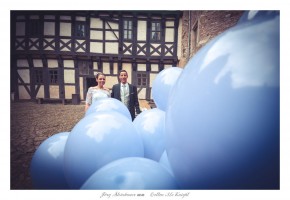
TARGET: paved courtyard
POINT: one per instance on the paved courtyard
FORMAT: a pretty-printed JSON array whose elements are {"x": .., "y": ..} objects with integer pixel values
[{"x": 31, "y": 124}]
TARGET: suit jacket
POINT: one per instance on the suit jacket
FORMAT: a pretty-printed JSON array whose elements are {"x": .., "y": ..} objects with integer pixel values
[{"x": 133, "y": 103}]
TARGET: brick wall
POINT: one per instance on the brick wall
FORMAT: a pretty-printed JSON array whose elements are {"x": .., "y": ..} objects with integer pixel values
[{"x": 199, "y": 27}]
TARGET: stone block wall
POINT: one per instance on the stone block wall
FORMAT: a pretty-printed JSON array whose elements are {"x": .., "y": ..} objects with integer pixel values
[{"x": 199, "y": 27}]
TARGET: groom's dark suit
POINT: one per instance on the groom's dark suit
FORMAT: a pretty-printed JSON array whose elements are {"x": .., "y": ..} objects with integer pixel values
[{"x": 133, "y": 102}]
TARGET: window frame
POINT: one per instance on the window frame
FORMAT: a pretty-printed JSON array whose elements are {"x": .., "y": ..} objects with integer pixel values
[
  {"x": 38, "y": 76},
  {"x": 84, "y": 67},
  {"x": 157, "y": 29},
  {"x": 34, "y": 29},
  {"x": 140, "y": 80},
  {"x": 80, "y": 24},
  {"x": 53, "y": 77},
  {"x": 128, "y": 29}
]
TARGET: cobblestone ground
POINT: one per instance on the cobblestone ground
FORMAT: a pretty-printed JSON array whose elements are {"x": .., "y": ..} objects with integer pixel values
[{"x": 31, "y": 124}]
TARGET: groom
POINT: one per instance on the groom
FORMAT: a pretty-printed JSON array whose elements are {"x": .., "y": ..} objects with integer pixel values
[{"x": 126, "y": 93}]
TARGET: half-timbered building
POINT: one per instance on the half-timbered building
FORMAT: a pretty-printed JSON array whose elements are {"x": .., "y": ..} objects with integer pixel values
[{"x": 55, "y": 54}]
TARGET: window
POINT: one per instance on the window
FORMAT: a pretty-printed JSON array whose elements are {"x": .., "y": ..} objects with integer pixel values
[
  {"x": 38, "y": 74},
  {"x": 84, "y": 68},
  {"x": 53, "y": 76},
  {"x": 80, "y": 29},
  {"x": 155, "y": 31},
  {"x": 142, "y": 79},
  {"x": 128, "y": 29},
  {"x": 34, "y": 28},
  {"x": 194, "y": 36}
]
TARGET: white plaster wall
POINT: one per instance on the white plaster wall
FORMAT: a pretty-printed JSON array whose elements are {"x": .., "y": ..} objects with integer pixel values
[
  {"x": 79, "y": 18},
  {"x": 106, "y": 68},
  {"x": 96, "y": 23},
  {"x": 142, "y": 94},
  {"x": 69, "y": 76},
  {"x": 127, "y": 52},
  {"x": 169, "y": 23},
  {"x": 113, "y": 25},
  {"x": 34, "y": 17},
  {"x": 24, "y": 74},
  {"x": 115, "y": 68},
  {"x": 52, "y": 63},
  {"x": 69, "y": 90},
  {"x": 80, "y": 49},
  {"x": 20, "y": 28},
  {"x": 40, "y": 93},
  {"x": 152, "y": 78},
  {"x": 141, "y": 30},
  {"x": 141, "y": 67},
  {"x": 54, "y": 91},
  {"x": 155, "y": 52},
  {"x": 22, "y": 63},
  {"x": 169, "y": 35},
  {"x": 34, "y": 43},
  {"x": 81, "y": 87},
  {"x": 167, "y": 66},
  {"x": 19, "y": 40},
  {"x": 65, "y": 41},
  {"x": 63, "y": 17},
  {"x": 154, "y": 67},
  {"x": 37, "y": 63},
  {"x": 111, "y": 47},
  {"x": 96, "y": 35},
  {"x": 111, "y": 36},
  {"x": 49, "y": 17},
  {"x": 68, "y": 63},
  {"x": 23, "y": 94},
  {"x": 110, "y": 81},
  {"x": 48, "y": 47},
  {"x": 65, "y": 29},
  {"x": 141, "y": 52},
  {"x": 49, "y": 28},
  {"x": 96, "y": 47},
  {"x": 95, "y": 65}
]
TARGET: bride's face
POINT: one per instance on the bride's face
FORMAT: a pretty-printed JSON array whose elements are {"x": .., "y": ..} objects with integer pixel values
[{"x": 101, "y": 80}]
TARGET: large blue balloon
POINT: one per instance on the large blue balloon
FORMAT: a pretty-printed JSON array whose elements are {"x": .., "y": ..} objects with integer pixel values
[
  {"x": 165, "y": 163},
  {"x": 162, "y": 86},
  {"x": 108, "y": 104},
  {"x": 95, "y": 141},
  {"x": 131, "y": 174},
  {"x": 46, "y": 167},
  {"x": 150, "y": 124},
  {"x": 255, "y": 16},
  {"x": 223, "y": 116}
]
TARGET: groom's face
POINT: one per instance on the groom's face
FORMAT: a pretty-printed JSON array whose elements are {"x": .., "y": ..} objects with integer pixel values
[{"x": 123, "y": 77}]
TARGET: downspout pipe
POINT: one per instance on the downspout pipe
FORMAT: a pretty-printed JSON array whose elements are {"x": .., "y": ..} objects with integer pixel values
[{"x": 189, "y": 35}]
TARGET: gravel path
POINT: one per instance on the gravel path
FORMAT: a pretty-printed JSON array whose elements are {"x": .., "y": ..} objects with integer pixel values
[{"x": 31, "y": 124}]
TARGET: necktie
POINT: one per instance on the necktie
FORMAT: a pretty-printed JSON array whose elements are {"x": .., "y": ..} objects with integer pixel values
[{"x": 124, "y": 92}]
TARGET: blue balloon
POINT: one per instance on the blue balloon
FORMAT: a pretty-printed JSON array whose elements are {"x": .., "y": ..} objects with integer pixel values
[
  {"x": 108, "y": 104},
  {"x": 222, "y": 122},
  {"x": 150, "y": 124},
  {"x": 256, "y": 16},
  {"x": 95, "y": 141},
  {"x": 165, "y": 163},
  {"x": 46, "y": 167},
  {"x": 162, "y": 86},
  {"x": 131, "y": 174}
]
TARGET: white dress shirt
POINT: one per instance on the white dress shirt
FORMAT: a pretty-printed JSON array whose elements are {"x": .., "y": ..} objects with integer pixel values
[{"x": 125, "y": 93}]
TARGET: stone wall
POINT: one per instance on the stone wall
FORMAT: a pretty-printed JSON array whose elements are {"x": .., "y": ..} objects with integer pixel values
[{"x": 199, "y": 27}]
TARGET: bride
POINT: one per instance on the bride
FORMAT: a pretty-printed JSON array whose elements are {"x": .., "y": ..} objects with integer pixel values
[{"x": 97, "y": 92}]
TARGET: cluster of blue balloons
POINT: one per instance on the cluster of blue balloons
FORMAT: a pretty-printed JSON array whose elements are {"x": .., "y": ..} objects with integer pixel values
[
  {"x": 216, "y": 125},
  {"x": 105, "y": 150}
]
